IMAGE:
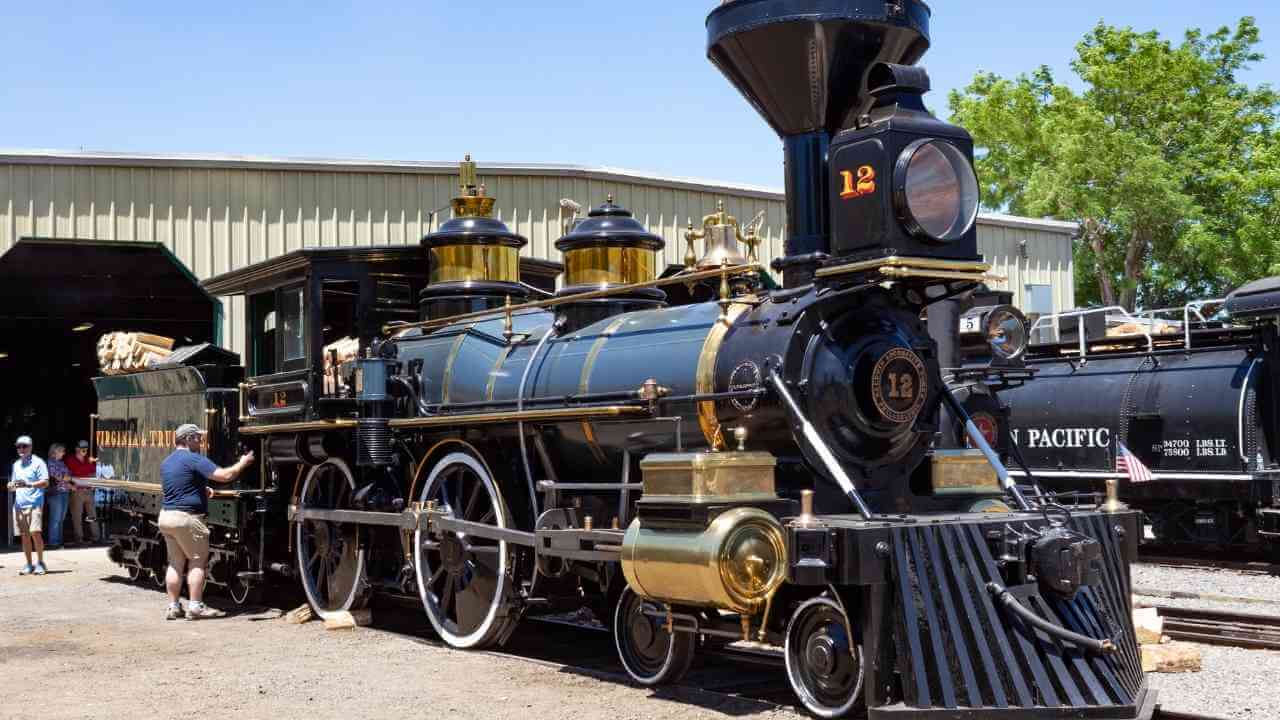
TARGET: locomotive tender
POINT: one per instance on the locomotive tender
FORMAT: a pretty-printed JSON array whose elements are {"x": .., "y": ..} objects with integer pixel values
[
  {"x": 1194, "y": 397},
  {"x": 758, "y": 469}
]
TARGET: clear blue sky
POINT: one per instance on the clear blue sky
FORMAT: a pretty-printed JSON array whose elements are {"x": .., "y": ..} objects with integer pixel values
[{"x": 623, "y": 84}]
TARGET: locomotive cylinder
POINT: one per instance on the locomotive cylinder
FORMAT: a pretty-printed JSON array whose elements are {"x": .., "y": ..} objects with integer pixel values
[{"x": 733, "y": 560}]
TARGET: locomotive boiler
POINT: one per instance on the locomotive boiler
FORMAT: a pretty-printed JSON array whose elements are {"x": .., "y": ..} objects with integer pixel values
[
  {"x": 759, "y": 469},
  {"x": 1192, "y": 397}
]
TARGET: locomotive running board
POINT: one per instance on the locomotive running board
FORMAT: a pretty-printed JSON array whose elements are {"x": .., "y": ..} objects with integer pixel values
[{"x": 570, "y": 544}]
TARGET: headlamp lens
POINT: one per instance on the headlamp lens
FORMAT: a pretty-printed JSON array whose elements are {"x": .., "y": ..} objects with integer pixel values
[
  {"x": 1007, "y": 333},
  {"x": 940, "y": 190}
]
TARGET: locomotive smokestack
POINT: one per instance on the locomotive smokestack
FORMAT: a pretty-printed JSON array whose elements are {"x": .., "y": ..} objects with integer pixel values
[{"x": 803, "y": 65}]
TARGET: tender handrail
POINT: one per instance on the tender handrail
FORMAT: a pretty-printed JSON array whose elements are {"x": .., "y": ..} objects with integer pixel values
[{"x": 1080, "y": 316}]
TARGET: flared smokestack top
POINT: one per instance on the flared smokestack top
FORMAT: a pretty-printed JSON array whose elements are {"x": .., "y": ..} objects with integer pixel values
[{"x": 803, "y": 63}]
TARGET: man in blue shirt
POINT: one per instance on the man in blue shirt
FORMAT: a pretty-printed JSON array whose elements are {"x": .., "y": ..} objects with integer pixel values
[
  {"x": 29, "y": 479},
  {"x": 185, "y": 477}
]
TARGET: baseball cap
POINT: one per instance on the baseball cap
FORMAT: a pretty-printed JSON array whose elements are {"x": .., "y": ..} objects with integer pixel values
[
  {"x": 23, "y": 440},
  {"x": 187, "y": 429},
  {"x": 83, "y": 444}
]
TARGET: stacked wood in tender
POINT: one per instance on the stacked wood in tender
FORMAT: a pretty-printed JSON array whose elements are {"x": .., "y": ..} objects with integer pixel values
[
  {"x": 120, "y": 353},
  {"x": 1133, "y": 328}
]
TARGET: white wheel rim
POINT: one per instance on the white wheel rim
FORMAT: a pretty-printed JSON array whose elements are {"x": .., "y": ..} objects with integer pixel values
[
  {"x": 303, "y": 573},
  {"x": 481, "y": 632},
  {"x": 619, "y": 628},
  {"x": 822, "y": 711}
]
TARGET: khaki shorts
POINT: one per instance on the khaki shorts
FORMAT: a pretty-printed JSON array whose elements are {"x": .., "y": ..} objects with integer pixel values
[
  {"x": 29, "y": 520},
  {"x": 186, "y": 537}
]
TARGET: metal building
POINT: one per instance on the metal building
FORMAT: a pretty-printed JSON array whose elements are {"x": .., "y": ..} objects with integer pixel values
[{"x": 216, "y": 214}]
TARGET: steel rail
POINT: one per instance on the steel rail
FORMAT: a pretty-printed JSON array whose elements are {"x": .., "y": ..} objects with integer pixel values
[{"x": 1218, "y": 627}]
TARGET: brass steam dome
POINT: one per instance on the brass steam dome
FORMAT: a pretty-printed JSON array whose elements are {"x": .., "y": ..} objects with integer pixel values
[{"x": 474, "y": 257}]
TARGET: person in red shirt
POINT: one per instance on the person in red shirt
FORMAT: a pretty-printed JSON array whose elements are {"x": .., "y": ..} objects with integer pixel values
[{"x": 82, "y": 467}]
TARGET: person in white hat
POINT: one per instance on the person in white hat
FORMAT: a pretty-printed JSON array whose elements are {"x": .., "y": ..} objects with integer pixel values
[
  {"x": 28, "y": 480},
  {"x": 185, "y": 477}
]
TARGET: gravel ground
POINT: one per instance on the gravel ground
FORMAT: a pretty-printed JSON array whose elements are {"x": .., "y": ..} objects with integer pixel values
[
  {"x": 104, "y": 651},
  {"x": 84, "y": 621},
  {"x": 1232, "y": 683},
  {"x": 1262, "y": 591}
]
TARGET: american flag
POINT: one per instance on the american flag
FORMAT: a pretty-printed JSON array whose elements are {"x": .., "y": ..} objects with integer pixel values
[{"x": 1129, "y": 464}]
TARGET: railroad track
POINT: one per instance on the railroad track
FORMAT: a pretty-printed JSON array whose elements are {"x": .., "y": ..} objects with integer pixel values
[
  {"x": 1217, "y": 627},
  {"x": 1159, "y": 558}
]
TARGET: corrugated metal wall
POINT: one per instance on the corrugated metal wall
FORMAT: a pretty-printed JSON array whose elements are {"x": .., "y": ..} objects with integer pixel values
[
  {"x": 218, "y": 217},
  {"x": 1029, "y": 256}
]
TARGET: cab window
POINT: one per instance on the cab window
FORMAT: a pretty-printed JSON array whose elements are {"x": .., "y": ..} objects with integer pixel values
[
  {"x": 292, "y": 334},
  {"x": 277, "y": 331},
  {"x": 340, "y": 299},
  {"x": 262, "y": 334}
]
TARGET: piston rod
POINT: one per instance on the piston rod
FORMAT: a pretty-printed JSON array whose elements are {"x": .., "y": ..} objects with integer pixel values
[{"x": 824, "y": 453}]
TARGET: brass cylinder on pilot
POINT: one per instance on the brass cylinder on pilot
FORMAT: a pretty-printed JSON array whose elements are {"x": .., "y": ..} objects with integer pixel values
[{"x": 735, "y": 564}]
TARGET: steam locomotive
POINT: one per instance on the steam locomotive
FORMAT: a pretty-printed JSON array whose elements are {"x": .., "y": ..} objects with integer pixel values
[
  {"x": 760, "y": 468},
  {"x": 1192, "y": 394}
]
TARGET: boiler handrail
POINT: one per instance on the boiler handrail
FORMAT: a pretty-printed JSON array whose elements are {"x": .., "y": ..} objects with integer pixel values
[{"x": 1080, "y": 315}]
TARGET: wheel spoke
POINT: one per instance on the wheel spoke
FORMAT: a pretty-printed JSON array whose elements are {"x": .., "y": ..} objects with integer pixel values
[
  {"x": 446, "y": 599},
  {"x": 471, "y": 504},
  {"x": 473, "y": 604}
]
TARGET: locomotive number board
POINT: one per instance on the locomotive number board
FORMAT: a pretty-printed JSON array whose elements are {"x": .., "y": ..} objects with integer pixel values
[{"x": 287, "y": 398}]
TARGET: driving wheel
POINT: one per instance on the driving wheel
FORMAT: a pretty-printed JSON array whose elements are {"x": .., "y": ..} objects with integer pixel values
[
  {"x": 464, "y": 580},
  {"x": 331, "y": 561}
]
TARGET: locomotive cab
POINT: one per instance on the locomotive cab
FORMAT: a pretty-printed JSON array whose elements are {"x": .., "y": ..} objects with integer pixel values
[{"x": 297, "y": 305}]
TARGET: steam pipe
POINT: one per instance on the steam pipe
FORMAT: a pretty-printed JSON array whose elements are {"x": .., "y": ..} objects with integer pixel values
[
  {"x": 815, "y": 440},
  {"x": 805, "y": 165},
  {"x": 1006, "y": 599},
  {"x": 944, "y": 327}
]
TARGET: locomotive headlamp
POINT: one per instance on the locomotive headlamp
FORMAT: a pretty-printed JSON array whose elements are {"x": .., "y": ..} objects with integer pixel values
[
  {"x": 999, "y": 331},
  {"x": 936, "y": 190}
]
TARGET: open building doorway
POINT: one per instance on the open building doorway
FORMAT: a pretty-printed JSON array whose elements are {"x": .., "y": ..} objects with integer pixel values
[{"x": 57, "y": 297}]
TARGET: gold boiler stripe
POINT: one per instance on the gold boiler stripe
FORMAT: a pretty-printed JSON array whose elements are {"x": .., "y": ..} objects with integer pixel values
[
  {"x": 609, "y": 266},
  {"x": 493, "y": 371},
  {"x": 447, "y": 379},
  {"x": 584, "y": 383},
  {"x": 705, "y": 380},
  {"x": 457, "y": 263}
]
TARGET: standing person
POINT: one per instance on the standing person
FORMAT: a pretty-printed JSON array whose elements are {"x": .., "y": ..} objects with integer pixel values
[
  {"x": 184, "y": 476},
  {"x": 29, "y": 479},
  {"x": 58, "y": 494},
  {"x": 82, "y": 467}
]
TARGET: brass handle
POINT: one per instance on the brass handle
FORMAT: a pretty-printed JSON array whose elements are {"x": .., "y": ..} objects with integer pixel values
[
  {"x": 93, "y": 436},
  {"x": 209, "y": 415}
]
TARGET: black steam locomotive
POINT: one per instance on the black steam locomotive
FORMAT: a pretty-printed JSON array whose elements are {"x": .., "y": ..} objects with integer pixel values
[
  {"x": 760, "y": 468},
  {"x": 1192, "y": 396}
]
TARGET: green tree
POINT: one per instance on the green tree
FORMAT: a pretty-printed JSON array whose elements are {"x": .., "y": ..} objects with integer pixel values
[{"x": 1170, "y": 164}]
